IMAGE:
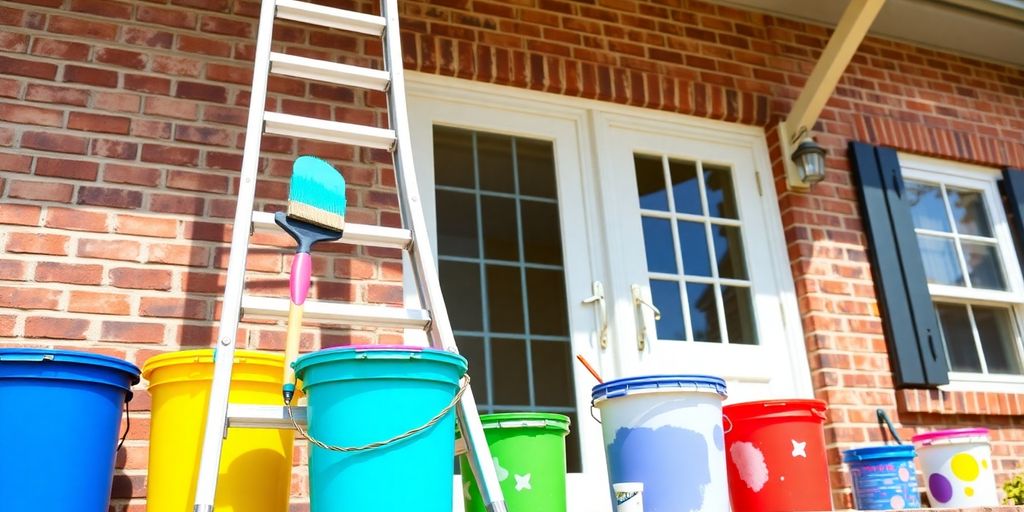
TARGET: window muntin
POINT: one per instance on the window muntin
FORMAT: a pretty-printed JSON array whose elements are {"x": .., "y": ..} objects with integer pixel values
[{"x": 970, "y": 267}]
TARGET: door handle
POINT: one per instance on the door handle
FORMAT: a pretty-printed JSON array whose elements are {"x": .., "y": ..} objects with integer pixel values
[
  {"x": 641, "y": 323},
  {"x": 602, "y": 312}
]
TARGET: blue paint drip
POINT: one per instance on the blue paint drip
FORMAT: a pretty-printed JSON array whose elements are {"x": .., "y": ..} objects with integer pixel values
[
  {"x": 719, "y": 436},
  {"x": 672, "y": 463}
]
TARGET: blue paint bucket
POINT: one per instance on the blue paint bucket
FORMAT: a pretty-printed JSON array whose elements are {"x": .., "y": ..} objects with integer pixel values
[
  {"x": 60, "y": 416},
  {"x": 665, "y": 431},
  {"x": 359, "y": 396},
  {"x": 883, "y": 477}
]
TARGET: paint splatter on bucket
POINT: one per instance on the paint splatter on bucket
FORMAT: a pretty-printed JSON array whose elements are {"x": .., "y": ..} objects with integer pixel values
[
  {"x": 666, "y": 432},
  {"x": 958, "y": 467},
  {"x": 883, "y": 477}
]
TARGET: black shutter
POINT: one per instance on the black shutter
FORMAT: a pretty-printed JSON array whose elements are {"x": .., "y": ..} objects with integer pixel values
[
  {"x": 1013, "y": 187},
  {"x": 908, "y": 316}
]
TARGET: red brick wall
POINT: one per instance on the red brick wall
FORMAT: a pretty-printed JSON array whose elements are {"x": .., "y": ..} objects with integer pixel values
[{"x": 121, "y": 125}]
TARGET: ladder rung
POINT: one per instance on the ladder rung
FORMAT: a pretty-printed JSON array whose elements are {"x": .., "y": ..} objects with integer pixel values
[
  {"x": 324, "y": 71},
  {"x": 340, "y": 313},
  {"x": 263, "y": 416},
  {"x": 330, "y": 17},
  {"x": 358, "y": 234},
  {"x": 460, "y": 446},
  {"x": 328, "y": 131}
]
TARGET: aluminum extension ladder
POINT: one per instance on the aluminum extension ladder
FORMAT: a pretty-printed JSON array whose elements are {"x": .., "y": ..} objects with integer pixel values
[{"x": 413, "y": 238}]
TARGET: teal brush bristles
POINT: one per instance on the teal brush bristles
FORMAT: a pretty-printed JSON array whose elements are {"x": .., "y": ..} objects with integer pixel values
[{"x": 317, "y": 193}]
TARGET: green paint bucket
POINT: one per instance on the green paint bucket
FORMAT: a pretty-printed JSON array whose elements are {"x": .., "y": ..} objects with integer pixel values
[{"x": 529, "y": 455}]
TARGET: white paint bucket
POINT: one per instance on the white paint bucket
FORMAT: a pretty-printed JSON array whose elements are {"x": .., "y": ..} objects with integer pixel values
[
  {"x": 957, "y": 466},
  {"x": 666, "y": 432}
]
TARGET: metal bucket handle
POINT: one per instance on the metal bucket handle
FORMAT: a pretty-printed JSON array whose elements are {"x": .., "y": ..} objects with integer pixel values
[
  {"x": 883, "y": 423},
  {"x": 431, "y": 422}
]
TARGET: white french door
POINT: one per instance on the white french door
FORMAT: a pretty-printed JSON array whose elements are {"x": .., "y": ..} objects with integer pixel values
[
  {"x": 533, "y": 198},
  {"x": 701, "y": 277}
]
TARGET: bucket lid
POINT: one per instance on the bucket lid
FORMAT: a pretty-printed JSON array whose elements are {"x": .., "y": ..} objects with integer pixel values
[
  {"x": 896, "y": 451},
  {"x": 764, "y": 409},
  {"x": 939, "y": 435},
  {"x": 526, "y": 420},
  {"x": 38, "y": 355},
  {"x": 654, "y": 383},
  {"x": 381, "y": 352},
  {"x": 205, "y": 356}
]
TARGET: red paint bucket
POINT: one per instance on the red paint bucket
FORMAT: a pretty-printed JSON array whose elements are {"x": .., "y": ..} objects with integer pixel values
[{"x": 776, "y": 456}]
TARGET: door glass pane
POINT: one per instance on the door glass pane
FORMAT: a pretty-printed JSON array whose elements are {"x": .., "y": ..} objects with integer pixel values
[
  {"x": 927, "y": 208},
  {"x": 472, "y": 348},
  {"x": 940, "y": 261},
  {"x": 959, "y": 337},
  {"x": 998, "y": 340},
  {"x": 667, "y": 300},
  {"x": 685, "y": 187},
  {"x": 703, "y": 312},
  {"x": 453, "y": 157},
  {"x": 536, "y": 168},
  {"x": 969, "y": 212},
  {"x": 494, "y": 154},
  {"x": 983, "y": 266},
  {"x": 658, "y": 244},
  {"x": 508, "y": 360},
  {"x": 552, "y": 375},
  {"x": 505, "y": 299},
  {"x": 721, "y": 199},
  {"x": 729, "y": 251},
  {"x": 456, "y": 223},
  {"x": 461, "y": 285},
  {"x": 650, "y": 183},
  {"x": 693, "y": 242},
  {"x": 501, "y": 236},
  {"x": 511, "y": 323},
  {"x": 546, "y": 299},
  {"x": 739, "y": 315},
  {"x": 542, "y": 235}
]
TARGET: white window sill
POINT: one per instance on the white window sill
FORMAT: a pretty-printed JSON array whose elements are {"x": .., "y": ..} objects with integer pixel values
[{"x": 984, "y": 383}]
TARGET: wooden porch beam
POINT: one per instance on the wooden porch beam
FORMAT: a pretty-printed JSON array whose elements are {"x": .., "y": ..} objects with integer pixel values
[{"x": 850, "y": 31}]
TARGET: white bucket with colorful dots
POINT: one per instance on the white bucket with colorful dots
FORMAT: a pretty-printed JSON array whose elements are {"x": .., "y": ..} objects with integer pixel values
[{"x": 957, "y": 466}]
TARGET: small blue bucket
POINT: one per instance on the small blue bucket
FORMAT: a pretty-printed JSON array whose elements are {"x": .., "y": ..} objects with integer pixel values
[
  {"x": 60, "y": 416},
  {"x": 883, "y": 477}
]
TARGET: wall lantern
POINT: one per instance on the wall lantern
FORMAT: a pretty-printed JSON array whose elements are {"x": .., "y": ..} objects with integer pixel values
[{"x": 805, "y": 164}]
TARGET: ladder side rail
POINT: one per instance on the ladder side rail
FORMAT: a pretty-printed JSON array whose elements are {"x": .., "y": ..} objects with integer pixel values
[
  {"x": 422, "y": 256},
  {"x": 216, "y": 416}
]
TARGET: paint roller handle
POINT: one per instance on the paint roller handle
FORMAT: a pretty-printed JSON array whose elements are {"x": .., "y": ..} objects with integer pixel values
[{"x": 301, "y": 275}]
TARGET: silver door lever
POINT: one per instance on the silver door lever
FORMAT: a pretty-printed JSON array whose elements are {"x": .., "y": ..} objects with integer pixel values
[
  {"x": 602, "y": 312},
  {"x": 641, "y": 323}
]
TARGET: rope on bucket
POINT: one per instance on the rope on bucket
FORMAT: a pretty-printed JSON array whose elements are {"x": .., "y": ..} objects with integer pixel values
[{"x": 433, "y": 421}]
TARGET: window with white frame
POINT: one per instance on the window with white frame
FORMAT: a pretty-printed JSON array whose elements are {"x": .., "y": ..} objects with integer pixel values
[{"x": 972, "y": 269}]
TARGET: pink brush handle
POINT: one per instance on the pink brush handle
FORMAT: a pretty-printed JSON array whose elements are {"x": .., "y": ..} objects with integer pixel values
[{"x": 302, "y": 271}]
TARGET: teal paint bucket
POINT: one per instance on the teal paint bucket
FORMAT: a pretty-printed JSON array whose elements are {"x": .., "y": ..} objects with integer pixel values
[
  {"x": 60, "y": 419},
  {"x": 362, "y": 395},
  {"x": 883, "y": 477}
]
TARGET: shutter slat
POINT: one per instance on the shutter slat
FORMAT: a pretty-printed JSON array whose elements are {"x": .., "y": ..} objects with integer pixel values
[{"x": 911, "y": 329}]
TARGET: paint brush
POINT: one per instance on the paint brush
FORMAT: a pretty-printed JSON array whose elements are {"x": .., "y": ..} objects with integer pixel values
[
  {"x": 316, "y": 213},
  {"x": 590, "y": 368}
]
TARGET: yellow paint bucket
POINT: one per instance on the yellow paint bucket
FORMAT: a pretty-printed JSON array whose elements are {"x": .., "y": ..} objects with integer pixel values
[{"x": 255, "y": 465}]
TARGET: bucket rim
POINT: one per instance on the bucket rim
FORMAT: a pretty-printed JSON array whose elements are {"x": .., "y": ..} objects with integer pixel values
[
  {"x": 950, "y": 435},
  {"x": 758, "y": 408},
  {"x": 42, "y": 355},
  {"x": 383, "y": 352},
  {"x": 525, "y": 420},
  {"x": 205, "y": 356},
  {"x": 897, "y": 451},
  {"x": 655, "y": 383}
]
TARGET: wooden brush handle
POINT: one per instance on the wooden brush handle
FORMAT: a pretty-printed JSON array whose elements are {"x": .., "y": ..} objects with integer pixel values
[{"x": 291, "y": 341}]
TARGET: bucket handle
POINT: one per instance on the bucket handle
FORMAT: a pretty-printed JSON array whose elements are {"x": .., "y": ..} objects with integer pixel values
[
  {"x": 726, "y": 418},
  {"x": 883, "y": 422},
  {"x": 431, "y": 422},
  {"x": 127, "y": 426},
  {"x": 592, "y": 408}
]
